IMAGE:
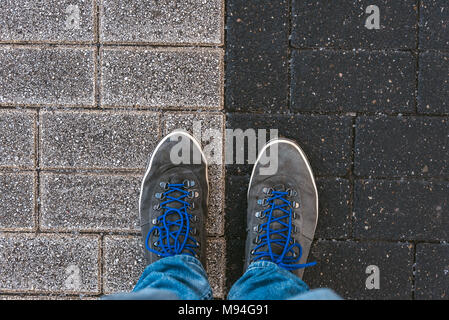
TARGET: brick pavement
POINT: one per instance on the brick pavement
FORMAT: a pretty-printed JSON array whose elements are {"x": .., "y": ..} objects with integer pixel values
[
  {"x": 369, "y": 107},
  {"x": 88, "y": 87}
]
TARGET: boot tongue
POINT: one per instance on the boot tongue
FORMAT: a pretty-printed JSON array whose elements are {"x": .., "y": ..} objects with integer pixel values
[
  {"x": 173, "y": 215},
  {"x": 276, "y": 248}
]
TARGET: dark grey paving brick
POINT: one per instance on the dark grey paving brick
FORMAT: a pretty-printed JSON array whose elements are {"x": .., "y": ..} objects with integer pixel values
[
  {"x": 216, "y": 265},
  {"x": 432, "y": 271},
  {"x": 89, "y": 202},
  {"x": 434, "y": 24},
  {"x": 123, "y": 264},
  {"x": 412, "y": 210},
  {"x": 342, "y": 24},
  {"x": 164, "y": 22},
  {"x": 208, "y": 130},
  {"x": 341, "y": 266},
  {"x": 235, "y": 222},
  {"x": 373, "y": 81},
  {"x": 402, "y": 146},
  {"x": 17, "y": 138},
  {"x": 334, "y": 220},
  {"x": 257, "y": 55},
  {"x": 17, "y": 196},
  {"x": 47, "y": 76},
  {"x": 120, "y": 140},
  {"x": 325, "y": 139},
  {"x": 49, "y": 263},
  {"x": 162, "y": 77},
  {"x": 433, "y": 83},
  {"x": 49, "y": 20}
]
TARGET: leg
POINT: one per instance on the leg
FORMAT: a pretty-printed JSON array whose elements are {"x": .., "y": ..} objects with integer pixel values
[{"x": 173, "y": 209}]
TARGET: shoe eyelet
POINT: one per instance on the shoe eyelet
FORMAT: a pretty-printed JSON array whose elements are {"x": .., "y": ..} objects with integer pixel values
[
  {"x": 260, "y": 214},
  {"x": 157, "y": 207},
  {"x": 252, "y": 252},
  {"x": 164, "y": 185},
  {"x": 263, "y": 202},
  {"x": 257, "y": 229},
  {"x": 193, "y": 231},
  {"x": 267, "y": 190},
  {"x": 295, "y": 205},
  {"x": 159, "y": 195},
  {"x": 291, "y": 193},
  {"x": 257, "y": 240},
  {"x": 155, "y": 221}
]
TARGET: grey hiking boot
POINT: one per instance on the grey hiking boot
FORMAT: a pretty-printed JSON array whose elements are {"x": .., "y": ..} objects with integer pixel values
[
  {"x": 174, "y": 198},
  {"x": 282, "y": 208}
]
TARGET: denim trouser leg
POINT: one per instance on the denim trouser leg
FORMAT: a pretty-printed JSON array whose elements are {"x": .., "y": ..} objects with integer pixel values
[
  {"x": 183, "y": 277},
  {"x": 264, "y": 280},
  {"x": 176, "y": 277}
]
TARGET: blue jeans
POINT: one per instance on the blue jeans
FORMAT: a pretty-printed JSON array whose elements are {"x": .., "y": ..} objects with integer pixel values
[{"x": 183, "y": 277}]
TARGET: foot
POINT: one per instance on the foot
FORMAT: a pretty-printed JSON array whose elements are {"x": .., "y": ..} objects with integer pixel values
[
  {"x": 282, "y": 208},
  {"x": 173, "y": 199}
]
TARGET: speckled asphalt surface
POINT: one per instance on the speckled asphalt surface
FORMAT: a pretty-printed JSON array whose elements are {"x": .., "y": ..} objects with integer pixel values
[{"x": 88, "y": 87}]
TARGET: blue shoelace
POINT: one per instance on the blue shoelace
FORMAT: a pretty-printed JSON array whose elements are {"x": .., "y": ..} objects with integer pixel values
[
  {"x": 173, "y": 234},
  {"x": 282, "y": 235}
]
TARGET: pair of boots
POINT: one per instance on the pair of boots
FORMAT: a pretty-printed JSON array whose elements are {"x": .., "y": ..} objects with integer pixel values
[{"x": 282, "y": 208}]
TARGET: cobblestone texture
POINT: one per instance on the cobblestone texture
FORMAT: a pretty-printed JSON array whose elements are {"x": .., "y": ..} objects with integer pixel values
[
  {"x": 434, "y": 27},
  {"x": 432, "y": 268},
  {"x": 327, "y": 24},
  {"x": 420, "y": 215},
  {"x": 73, "y": 147},
  {"x": 256, "y": 55},
  {"x": 433, "y": 93},
  {"x": 351, "y": 259},
  {"x": 333, "y": 80},
  {"x": 17, "y": 138},
  {"x": 124, "y": 262},
  {"x": 47, "y": 21},
  {"x": 49, "y": 263},
  {"x": 77, "y": 139},
  {"x": 419, "y": 147},
  {"x": 369, "y": 107},
  {"x": 34, "y": 76},
  {"x": 161, "y": 77},
  {"x": 162, "y": 22},
  {"x": 89, "y": 202},
  {"x": 17, "y": 201}
]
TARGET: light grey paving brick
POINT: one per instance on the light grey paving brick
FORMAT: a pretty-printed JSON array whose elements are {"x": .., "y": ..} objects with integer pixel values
[
  {"x": 47, "y": 20},
  {"x": 47, "y": 76},
  {"x": 124, "y": 263},
  {"x": 208, "y": 129},
  {"x": 216, "y": 265},
  {"x": 17, "y": 138},
  {"x": 164, "y": 22},
  {"x": 162, "y": 77},
  {"x": 89, "y": 202},
  {"x": 49, "y": 263},
  {"x": 17, "y": 201},
  {"x": 77, "y": 139}
]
